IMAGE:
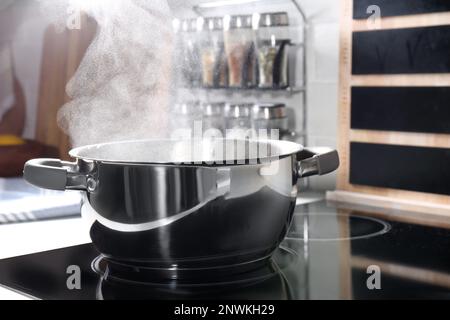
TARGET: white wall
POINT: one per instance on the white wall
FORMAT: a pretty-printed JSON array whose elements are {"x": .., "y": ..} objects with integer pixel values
[
  {"x": 322, "y": 66},
  {"x": 323, "y": 71},
  {"x": 22, "y": 34}
]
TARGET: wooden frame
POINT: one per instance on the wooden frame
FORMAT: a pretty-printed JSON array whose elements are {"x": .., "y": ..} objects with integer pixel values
[{"x": 388, "y": 198}]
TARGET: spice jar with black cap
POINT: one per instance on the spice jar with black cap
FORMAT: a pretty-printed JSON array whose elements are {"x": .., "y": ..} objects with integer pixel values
[{"x": 272, "y": 43}]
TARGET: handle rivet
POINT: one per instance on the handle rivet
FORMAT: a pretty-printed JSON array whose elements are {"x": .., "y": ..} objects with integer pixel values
[{"x": 91, "y": 184}]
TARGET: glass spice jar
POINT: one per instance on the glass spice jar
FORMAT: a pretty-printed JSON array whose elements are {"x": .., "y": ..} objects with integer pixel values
[
  {"x": 213, "y": 58},
  {"x": 240, "y": 50},
  {"x": 272, "y": 49}
]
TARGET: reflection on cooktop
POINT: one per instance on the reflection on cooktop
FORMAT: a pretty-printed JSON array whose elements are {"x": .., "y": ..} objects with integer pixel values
[
  {"x": 270, "y": 280},
  {"x": 326, "y": 255},
  {"x": 44, "y": 276},
  {"x": 317, "y": 227}
]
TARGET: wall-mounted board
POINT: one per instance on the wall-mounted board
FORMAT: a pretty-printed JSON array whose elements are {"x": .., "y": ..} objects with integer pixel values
[
  {"x": 389, "y": 8},
  {"x": 400, "y": 167},
  {"x": 404, "y": 109},
  {"x": 402, "y": 51},
  {"x": 394, "y": 109}
]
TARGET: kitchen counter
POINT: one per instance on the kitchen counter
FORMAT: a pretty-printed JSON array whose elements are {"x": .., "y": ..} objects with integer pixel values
[
  {"x": 19, "y": 239},
  {"x": 55, "y": 225},
  {"x": 25, "y": 238},
  {"x": 344, "y": 245}
]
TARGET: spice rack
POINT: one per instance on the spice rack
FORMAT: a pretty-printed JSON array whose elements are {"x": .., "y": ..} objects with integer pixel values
[{"x": 294, "y": 88}]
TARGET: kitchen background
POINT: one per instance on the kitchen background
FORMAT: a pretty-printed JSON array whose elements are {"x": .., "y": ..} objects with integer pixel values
[
  {"x": 38, "y": 59},
  {"x": 322, "y": 65},
  {"x": 44, "y": 60},
  {"x": 342, "y": 70},
  {"x": 54, "y": 58}
]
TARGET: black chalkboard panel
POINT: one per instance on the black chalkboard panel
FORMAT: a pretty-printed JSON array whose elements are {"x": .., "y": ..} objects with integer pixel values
[
  {"x": 402, "y": 51},
  {"x": 389, "y": 8},
  {"x": 400, "y": 167},
  {"x": 408, "y": 109}
]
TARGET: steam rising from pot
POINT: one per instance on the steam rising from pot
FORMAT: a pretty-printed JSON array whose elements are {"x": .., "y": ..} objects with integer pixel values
[{"x": 122, "y": 88}]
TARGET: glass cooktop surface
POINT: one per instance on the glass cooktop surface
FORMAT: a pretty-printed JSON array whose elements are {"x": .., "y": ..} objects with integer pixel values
[{"x": 329, "y": 253}]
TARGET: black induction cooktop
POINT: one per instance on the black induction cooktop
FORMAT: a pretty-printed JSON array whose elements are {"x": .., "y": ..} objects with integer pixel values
[{"x": 330, "y": 253}]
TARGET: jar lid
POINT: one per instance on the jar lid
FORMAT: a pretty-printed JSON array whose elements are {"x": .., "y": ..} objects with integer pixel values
[
  {"x": 176, "y": 25},
  {"x": 214, "y": 24},
  {"x": 237, "y": 111},
  {"x": 213, "y": 109},
  {"x": 189, "y": 25},
  {"x": 238, "y": 22},
  {"x": 269, "y": 111},
  {"x": 186, "y": 108},
  {"x": 277, "y": 19}
]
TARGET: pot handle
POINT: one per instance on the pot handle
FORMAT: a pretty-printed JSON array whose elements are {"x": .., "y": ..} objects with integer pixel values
[
  {"x": 317, "y": 161},
  {"x": 54, "y": 174}
]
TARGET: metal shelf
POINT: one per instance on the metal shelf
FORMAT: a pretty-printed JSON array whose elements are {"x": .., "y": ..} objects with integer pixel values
[
  {"x": 291, "y": 90},
  {"x": 217, "y": 4},
  {"x": 201, "y": 9}
]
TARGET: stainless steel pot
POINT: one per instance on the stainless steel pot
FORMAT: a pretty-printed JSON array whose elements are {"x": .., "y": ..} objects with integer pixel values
[{"x": 175, "y": 204}]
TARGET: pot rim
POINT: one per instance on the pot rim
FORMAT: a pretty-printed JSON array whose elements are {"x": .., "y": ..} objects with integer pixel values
[{"x": 286, "y": 149}]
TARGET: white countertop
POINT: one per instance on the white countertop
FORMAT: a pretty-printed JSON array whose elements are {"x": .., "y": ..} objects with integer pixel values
[
  {"x": 25, "y": 238},
  {"x": 19, "y": 202}
]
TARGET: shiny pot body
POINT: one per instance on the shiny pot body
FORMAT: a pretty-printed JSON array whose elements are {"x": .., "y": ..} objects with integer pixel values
[
  {"x": 178, "y": 216},
  {"x": 170, "y": 216}
]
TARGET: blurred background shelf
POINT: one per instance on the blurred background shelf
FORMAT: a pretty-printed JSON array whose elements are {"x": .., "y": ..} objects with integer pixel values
[
  {"x": 292, "y": 90},
  {"x": 296, "y": 95}
]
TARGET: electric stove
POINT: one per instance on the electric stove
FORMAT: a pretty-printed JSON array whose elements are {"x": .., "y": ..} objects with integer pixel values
[{"x": 331, "y": 252}]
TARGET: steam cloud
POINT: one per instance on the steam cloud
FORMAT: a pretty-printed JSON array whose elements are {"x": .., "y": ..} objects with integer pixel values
[{"x": 122, "y": 89}]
